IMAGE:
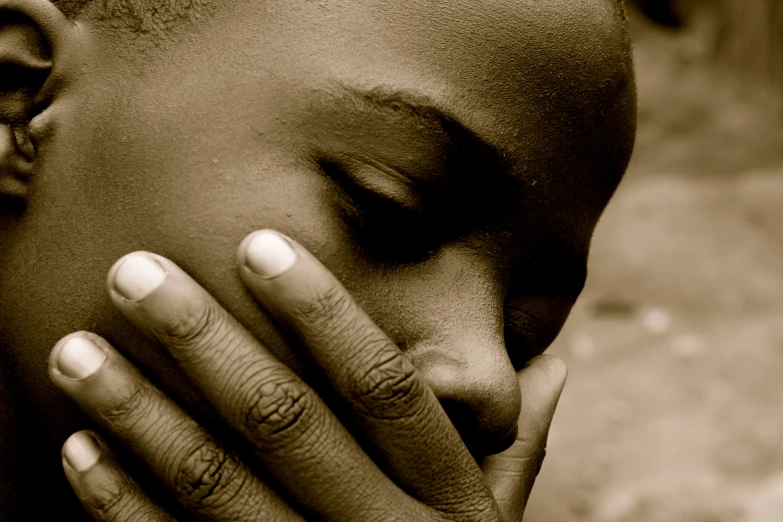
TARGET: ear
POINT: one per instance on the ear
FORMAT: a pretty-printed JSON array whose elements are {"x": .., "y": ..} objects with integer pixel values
[{"x": 34, "y": 35}]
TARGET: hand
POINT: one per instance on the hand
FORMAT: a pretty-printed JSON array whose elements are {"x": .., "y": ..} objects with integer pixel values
[{"x": 409, "y": 464}]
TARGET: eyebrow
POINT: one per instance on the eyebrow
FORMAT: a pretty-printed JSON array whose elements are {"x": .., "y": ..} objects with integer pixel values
[
  {"x": 483, "y": 165},
  {"x": 463, "y": 147}
]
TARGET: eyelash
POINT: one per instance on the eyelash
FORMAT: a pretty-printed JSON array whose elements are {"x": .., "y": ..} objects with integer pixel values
[{"x": 383, "y": 229}]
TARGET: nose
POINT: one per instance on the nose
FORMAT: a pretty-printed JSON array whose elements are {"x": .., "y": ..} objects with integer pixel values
[
  {"x": 447, "y": 316},
  {"x": 477, "y": 386}
]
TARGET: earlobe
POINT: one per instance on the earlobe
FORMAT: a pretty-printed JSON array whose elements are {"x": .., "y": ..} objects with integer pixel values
[{"x": 34, "y": 37}]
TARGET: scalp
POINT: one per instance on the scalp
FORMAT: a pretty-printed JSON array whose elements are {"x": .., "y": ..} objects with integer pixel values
[
  {"x": 569, "y": 67},
  {"x": 155, "y": 17}
]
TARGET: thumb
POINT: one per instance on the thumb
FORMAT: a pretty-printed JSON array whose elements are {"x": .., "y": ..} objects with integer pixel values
[{"x": 510, "y": 475}]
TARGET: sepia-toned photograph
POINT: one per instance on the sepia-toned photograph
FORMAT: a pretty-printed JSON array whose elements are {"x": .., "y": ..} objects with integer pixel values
[{"x": 391, "y": 261}]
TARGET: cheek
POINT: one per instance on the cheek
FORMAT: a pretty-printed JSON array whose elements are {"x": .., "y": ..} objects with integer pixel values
[{"x": 193, "y": 205}]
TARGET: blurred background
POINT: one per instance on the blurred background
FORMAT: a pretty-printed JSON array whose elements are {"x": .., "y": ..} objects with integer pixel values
[{"x": 674, "y": 407}]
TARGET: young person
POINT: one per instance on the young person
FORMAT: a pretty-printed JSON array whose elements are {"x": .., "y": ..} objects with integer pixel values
[{"x": 447, "y": 161}]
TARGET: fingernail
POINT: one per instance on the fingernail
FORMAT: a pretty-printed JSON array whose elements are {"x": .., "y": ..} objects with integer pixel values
[
  {"x": 269, "y": 255},
  {"x": 81, "y": 451},
  {"x": 79, "y": 358},
  {"x": 138, "y": 276}
]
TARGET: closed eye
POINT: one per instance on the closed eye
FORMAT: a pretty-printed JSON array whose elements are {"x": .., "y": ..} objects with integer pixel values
[
  {"x": 384, "y": 216},
  {"x": 383, "y": 181}
]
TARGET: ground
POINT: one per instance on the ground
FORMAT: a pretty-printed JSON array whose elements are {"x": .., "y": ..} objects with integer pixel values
[{"x": 673, "y": 411}]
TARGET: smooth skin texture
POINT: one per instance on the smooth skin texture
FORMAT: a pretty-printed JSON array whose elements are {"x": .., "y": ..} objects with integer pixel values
[
  {"x": 421, "y": 471},
  {"x": 338, "y": 124}
]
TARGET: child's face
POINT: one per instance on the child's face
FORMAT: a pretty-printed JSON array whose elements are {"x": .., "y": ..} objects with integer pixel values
[{"x": 295, "y": 116}]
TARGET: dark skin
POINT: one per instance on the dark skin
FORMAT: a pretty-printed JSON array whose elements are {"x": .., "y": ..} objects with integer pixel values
[
  {"x": 403, "y": 459},
  {"x": 494, "y": 134}
]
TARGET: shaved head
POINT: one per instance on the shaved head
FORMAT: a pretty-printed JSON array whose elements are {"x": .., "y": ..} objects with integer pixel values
[{"x": 448, "y": 160}]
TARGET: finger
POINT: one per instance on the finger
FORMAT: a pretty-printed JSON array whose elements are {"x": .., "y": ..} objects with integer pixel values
[
  {"x": 511, "y": 474},
  {"x": 205, "y": 478},
  {"x": 392, "y": 404},
  {"x": 104, "y": 489},
  {"x": 296, "y": 437}
]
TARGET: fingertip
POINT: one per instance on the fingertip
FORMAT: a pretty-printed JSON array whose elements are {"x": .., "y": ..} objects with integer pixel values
[
  {"x": 81, "y": 451},
  {"x": 60, "y": 369},
  {"x": 136, "y": 275},
  {"x": 511, "y": 474},
  {"x": 554, "y": 367},
  {"x": 241, "y": 253},
  {"x": 267, "y": 254},
  {"x": 541, "y": 383},
  {"x": 104, "y": 489},
  {"x": 245, "y": 244}
]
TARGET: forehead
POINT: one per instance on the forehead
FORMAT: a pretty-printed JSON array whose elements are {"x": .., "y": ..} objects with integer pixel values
[
  {"x": 524, "y": 74},
  {"x": 539, "y": 79},
  {"x": 486, "y": 56}
]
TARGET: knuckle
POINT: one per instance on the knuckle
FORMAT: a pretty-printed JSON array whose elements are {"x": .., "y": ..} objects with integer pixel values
[
  {"x": 323, "y": 307},
  {"x": 207, "y": 476},
  {"x": 278, "y": 412},
  {"x": 108, "y": 500},
  {"x": 129, "y": 407},
  {"x": 189, "y": 324},
  {"x": 196, "y": 331},
  {"x": 388, "y": 387}
]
